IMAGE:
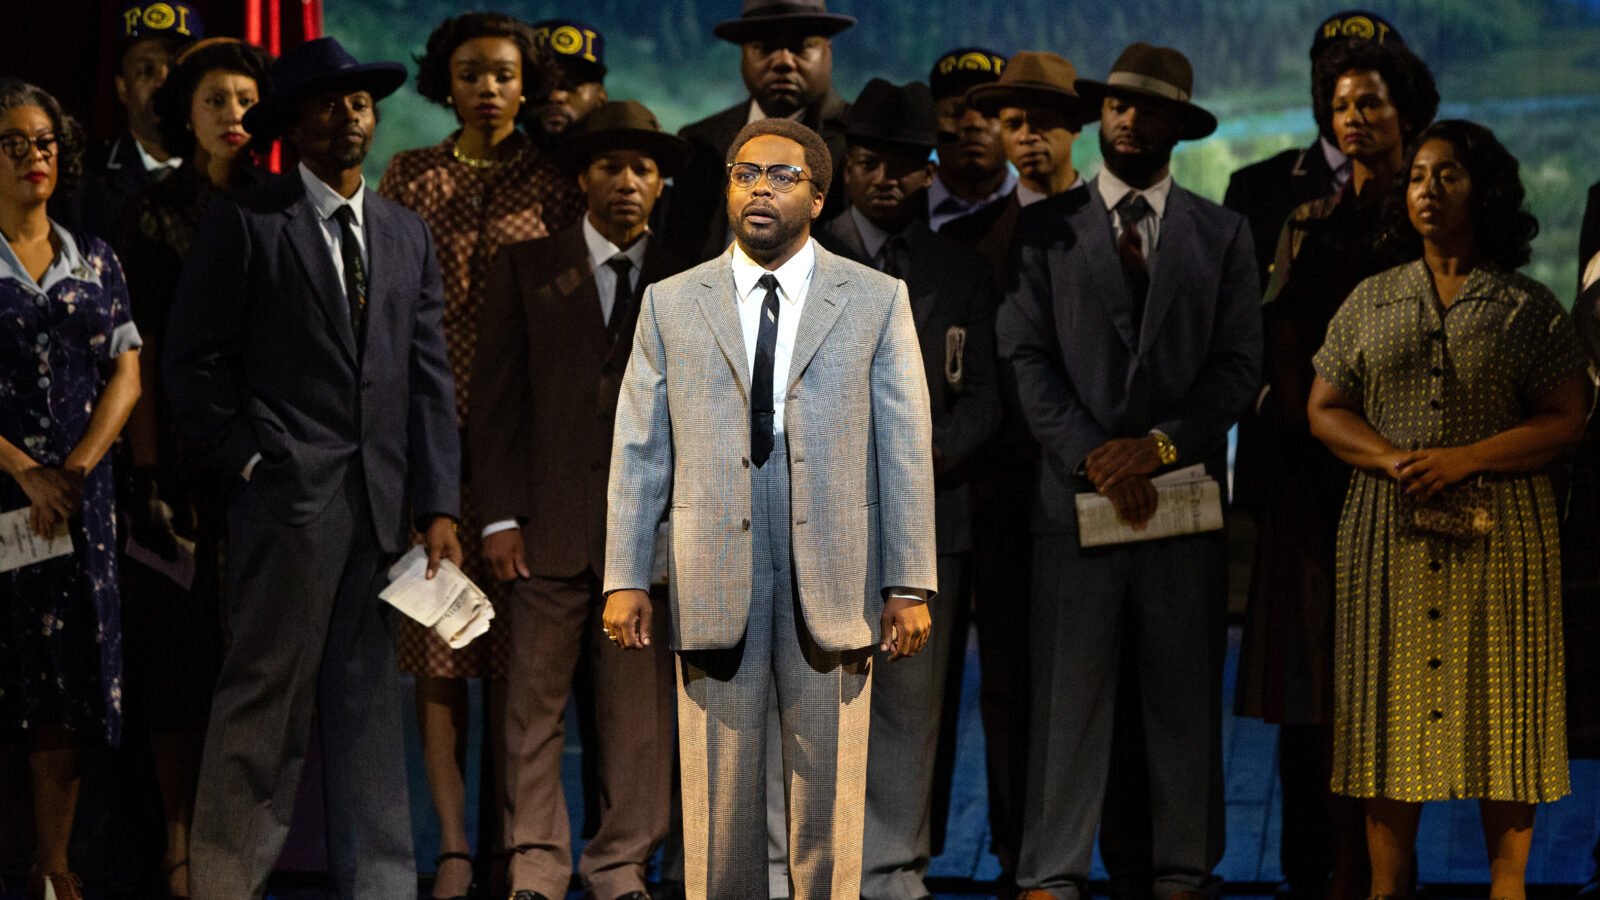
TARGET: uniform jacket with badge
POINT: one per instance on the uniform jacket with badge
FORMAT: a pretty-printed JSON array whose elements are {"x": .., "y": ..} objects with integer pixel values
[
  {"x": 859, "y": 439},
  {"x": 262, "y": 358},
  {"x": 1266, "y": 192},
  {"x": 1085, "y": 377},
  {"x": 695, "y": 211},
  {"x": 952, "y": 303},
  {"x": 544, "y": 390}
]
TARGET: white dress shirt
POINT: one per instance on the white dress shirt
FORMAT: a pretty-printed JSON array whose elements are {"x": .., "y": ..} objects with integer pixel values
[
  {"x": 601, "y": 251},
  {"x": 1113, "y": 189},
  {"x": 326, "y": 201},
  {"x": 1338, "y": 163},
  {"x": 945, "y": 207},
  {"x": 794, "y": 280}
]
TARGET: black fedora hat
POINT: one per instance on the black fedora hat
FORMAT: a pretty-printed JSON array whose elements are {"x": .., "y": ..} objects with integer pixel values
[
  {"x": 1035, "y": 78},
  {"x": 762, "y": 17},
  {"x": 313, "y": 68},
  {"x": 1144, "y": 70},
  {"x": 624, "y": 125},
  {"x": 898, "y": 115}
]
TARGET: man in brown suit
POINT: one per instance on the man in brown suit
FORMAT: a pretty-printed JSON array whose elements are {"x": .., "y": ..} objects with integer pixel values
[{"x": 556, "y": 329}]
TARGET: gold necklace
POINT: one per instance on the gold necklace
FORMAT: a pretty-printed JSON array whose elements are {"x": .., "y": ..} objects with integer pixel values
[{"x": 471, "y": 162}]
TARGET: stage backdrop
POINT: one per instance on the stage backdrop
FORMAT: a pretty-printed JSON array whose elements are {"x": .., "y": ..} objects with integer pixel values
[{"x": 1529, "y": 69}]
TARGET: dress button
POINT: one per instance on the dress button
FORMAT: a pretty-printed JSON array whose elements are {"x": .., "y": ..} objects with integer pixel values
[
  {"x": 44, "y": 381},
  {"x": 1436, "y": 715},
  {"x": 1434, "y": 613},
  {"x": 1436, "y": 404},
  {"x": 1437, "y": 334},
  {"x": 1436, "y": 372},
  {"x": 1435, "y": 663},
  {"x": 745, "y": 524},
  {"x": 1435, "y": 565},
  {"x": 43, "y": 339},
  {"x": 44, "y": 421},
  {"x": 41, "y": 301}
]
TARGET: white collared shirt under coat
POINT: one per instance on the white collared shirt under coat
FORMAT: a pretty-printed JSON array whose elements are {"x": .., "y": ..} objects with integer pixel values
[
  {"x": 326, "y": 201},
  {"x": 794, "y": 281},
  {"x": 601, "y": 252},
  {"x": 1113, "y": 189}
]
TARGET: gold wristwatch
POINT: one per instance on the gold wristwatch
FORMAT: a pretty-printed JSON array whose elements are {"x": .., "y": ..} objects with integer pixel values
[{"x": 1166, "y": 451}]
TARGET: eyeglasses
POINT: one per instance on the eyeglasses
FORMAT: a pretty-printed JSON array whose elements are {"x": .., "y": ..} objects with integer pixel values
[
  {"x": 782, "y": 177},
  {"x": 18, "y": 145}
]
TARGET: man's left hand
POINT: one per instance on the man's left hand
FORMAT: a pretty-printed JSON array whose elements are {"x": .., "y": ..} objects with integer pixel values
[
  {"x": 440, "y": 539},
  {"x": 906, "y": 626},
  {"x": 1119, "y": 459}
]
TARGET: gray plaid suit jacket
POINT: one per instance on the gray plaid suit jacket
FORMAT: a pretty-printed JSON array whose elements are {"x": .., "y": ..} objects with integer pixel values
[{"x": 857, "y": 427}]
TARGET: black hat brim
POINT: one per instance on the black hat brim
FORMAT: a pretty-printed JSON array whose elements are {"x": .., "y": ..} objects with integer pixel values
[
  {"x": 990, "y": 98},
  {"x": 1197, "y": 123},
  {"x": 266, "y": 120},
  {"x": 669, "y": 151},
  {"x": 740, "y": 31}
]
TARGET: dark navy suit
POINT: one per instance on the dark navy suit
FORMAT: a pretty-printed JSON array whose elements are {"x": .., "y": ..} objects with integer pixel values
[
  {"x": 1085, "y": 376},
  {"x": 357, "y": 440}
]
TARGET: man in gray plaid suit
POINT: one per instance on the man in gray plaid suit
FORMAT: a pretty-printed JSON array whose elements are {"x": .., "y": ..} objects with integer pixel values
[{"x": 776, "y": 397}]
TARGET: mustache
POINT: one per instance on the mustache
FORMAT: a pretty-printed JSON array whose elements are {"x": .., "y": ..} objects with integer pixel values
[{"x": 760, "y": 207}]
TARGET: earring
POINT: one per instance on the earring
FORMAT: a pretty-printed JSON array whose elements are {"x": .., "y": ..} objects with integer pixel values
[{"x": 522, "y": 101}]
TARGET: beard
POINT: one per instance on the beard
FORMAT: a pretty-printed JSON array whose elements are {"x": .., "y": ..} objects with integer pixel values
[
  {"x": 1134, "y": 168},
  {"x": 348, "y": 156},
  {"x": 766, "y": 242}
]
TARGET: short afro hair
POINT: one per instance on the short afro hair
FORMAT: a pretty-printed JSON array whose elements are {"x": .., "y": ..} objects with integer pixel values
[
  {"x": 1502, "y": 227},
  {"x": 1410, "y": 83},
  {"x": 433, "y": 66},
  {"x": 175, "y": 98},
  {"x": 16, "y": 93},
  {"x": 819, "y": 159}
]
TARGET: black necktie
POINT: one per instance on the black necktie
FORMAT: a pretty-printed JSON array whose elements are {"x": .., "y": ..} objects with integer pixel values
[
  {"x": 893, "y": 253},
  {"x": 355, "y": 274},
  {"x": 621, "y": 297},
  {"x": 761, "y": 378},
  {"x": 1130, "y": 248}
]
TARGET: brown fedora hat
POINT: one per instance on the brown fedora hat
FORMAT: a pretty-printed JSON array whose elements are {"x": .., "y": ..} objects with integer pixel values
[
  {"x": 1145, "y": 70},
  {"x": 1035, "y": 78},
  {"x": 624, "y": 125},
  {"x": 764, "y": 17}
]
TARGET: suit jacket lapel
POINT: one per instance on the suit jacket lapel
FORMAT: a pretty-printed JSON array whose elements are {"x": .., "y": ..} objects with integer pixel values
[
  {"x": 1172, "y": 261},
  {"x": 719, "y": 303},
  {"x": 824, "y": 301},
  {"x": 1093, "y": 228},
  {"x": 306, "y": 238}
]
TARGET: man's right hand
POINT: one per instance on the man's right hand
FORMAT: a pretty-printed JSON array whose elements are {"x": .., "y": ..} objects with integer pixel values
[
  {"x": 627, "y": 618},
  {"x": 503, "y": 552},
  {"x": 1134, "y": 498}
]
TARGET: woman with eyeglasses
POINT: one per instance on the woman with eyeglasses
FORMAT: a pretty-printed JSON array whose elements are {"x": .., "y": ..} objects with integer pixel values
[
  {"x": 172, "y": 631},
  {"x": 69, "y": 376}
]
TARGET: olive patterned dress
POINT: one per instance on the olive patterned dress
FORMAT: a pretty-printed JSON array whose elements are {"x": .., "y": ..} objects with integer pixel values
[{"x": 1448, "y": 679}]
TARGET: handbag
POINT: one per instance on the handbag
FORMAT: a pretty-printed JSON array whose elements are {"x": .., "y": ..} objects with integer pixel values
[{"x": 1464, "y": 511}]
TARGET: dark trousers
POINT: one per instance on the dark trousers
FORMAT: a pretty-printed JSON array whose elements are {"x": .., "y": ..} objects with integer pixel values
[
  {"x": 1168, "y": 600},
  {"x": 555, "y": 627},
  {"x": 309, "y": 635}
]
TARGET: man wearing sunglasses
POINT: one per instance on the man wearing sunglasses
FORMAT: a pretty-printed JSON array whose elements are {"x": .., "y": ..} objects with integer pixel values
[{"x": 776, "y": 395}]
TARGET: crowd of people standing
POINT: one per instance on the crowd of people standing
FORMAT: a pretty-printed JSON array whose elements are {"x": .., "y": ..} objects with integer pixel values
[{"x": 744, "y": 428}]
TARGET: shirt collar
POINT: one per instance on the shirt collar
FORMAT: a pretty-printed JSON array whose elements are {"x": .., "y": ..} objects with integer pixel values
[
  {"x": 1113, "y": 189},
  {"x": 872, "y": 237},
  {"x": 939, "y": 194},
  {"x": 792, "y": 275},
  {"x": 757, "y": 114},
  {"x": 69, "y": 262},
  {"x": 151, "y": 164},
  {"x": 1334, "y": 157},
  {"x": 601, "y": 250},
  {"x": 327, "y": 201}
]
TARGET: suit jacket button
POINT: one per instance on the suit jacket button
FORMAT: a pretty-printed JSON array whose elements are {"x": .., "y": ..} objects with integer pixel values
[
  {"x": 744, "y": 462},
  {"x": 366, "y": 384},
  {"x": 745, "y": 524}
]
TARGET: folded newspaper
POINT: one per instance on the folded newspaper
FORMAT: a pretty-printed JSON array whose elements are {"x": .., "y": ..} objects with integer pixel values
[
  {"x": 1190, "y": 501},
  {"x": 450, "y": 603},
  {"x": 19, "y": 546}
]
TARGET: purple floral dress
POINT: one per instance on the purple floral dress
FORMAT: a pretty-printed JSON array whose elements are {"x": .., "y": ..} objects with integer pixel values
[{"x": 60, "y": 621}]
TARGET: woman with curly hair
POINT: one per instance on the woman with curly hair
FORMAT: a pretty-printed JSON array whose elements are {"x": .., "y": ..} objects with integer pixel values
[
  {"x": 173, "y": 632},
  {"x": 69, "y": 375},
  {"x": 484, "y": 186},
  {"x": 1373, "y": 98},
  {"x": 1448, "y": 384}
]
